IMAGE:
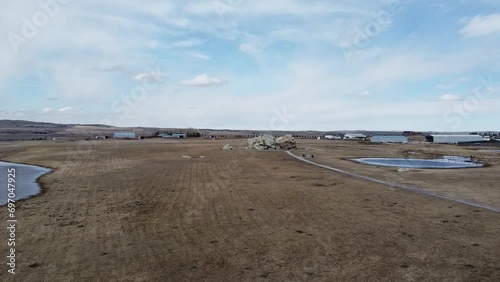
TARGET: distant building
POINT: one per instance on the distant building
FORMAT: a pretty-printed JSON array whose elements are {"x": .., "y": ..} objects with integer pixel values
[
  {"x": 124, "y": 135},
  {"x": 354, "y": 136},
  {"x": 453, "y": 139},
  {"x": 389, "y": 139},
  {"x": 176, "y": 135},
  {"x": 332, "y": 137}
]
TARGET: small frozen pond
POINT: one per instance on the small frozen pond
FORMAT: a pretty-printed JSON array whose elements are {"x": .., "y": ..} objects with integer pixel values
[
  {"x": 445, "y": 162},
  {"x": 25, "y": 180}
]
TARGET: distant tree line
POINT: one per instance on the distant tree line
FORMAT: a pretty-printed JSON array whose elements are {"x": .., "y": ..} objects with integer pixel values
[{"x": 193, "y": 134}]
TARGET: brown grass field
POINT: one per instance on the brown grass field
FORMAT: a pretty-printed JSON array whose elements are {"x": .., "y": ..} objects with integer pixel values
[{"x": 137, "y": 211}]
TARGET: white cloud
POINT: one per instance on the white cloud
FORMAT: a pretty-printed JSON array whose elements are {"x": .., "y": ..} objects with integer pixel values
[
  {"x": 304, "y": 59},
  {"x": 364, "y": 93},
  {"x": 414, "y": 65},
  {"x": 445, "y": 86},
  {"x": 272, "y": 8},
  {"x": 180, "y": 44},
  {"x": 450, "y": 98},
  {"x": 198, "y": 55},
  {"x": 187, "y": 43},
  {"x": 464, "y": 79},
  {"x": 74, "y": 79},
  {"x": 481, "y": 25},
  {"x": 109, "y": 67},
  {"x": 65, "y": 109},
  {"x": 203, "y": 80},
  {"x": 149, "y": 77},
  {"x": 153, "y": 44},
  {"x": 457, "y": 82},
  {"x": 254, "y": 45}
]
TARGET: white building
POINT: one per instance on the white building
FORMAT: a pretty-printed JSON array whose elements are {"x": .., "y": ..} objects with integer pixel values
[
  {"x": 332, "y": 137},
  {"x": 453, "y": 139},
  {"x": 349, "y": 136}
]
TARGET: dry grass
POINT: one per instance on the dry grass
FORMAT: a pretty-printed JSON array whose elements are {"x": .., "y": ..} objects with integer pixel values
[
  {"x": 137, "y": 211},
  {"x": 477, "y": 184}
]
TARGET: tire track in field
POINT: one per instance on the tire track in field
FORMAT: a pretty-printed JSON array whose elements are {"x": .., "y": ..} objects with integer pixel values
[
  {"x": 221, "y": 227},
  {"x": 162, "y": 195},
  {"x": 230, "y": 176},
  {"x": 13, "y": 152},
  {"x": 233, "y": 213},
  {"x": 265, "y": 197},
  {"x": 287, "y": 205},
  {"x": 150, "y": 188},
  {"x": 189, "y": 215},
  {"x": 109, "y": 239},
  {"x": 65, "y": 218},
  {"x": 215, "y": 222}
]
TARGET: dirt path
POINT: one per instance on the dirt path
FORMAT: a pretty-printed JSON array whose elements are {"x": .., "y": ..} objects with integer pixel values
[
  {"x": 478, "y": 185},
  {"x": 399, "y": 186}
]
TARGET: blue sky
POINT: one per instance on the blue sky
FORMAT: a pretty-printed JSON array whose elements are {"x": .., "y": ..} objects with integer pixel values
[{"x": 241, "y": 64}]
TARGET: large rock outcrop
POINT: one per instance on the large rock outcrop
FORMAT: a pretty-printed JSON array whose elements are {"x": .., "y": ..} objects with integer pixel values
[
  {"x": 287, "y": 142},
  {"x": 269, "y": 142}
]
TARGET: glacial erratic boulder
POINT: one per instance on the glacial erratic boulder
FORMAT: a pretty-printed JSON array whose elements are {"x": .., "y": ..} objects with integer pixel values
[
  {"x": 269, "y": 142},
  {"x": 287, "y": 142}
]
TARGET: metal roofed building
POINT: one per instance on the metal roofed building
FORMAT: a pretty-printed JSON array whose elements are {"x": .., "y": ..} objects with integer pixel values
[
  {"x": 124, "y": 135},
  {"x": 389, "y": 139},
  {"x": 175, "y": 135},
  {"x": 453, "y": 139},
  {"x": 332, "y": 137},
  {"x": 354, "y": 136}
]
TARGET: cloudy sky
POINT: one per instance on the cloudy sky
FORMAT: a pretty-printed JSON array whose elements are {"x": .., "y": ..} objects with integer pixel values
[{"x": 253, "y": 64}]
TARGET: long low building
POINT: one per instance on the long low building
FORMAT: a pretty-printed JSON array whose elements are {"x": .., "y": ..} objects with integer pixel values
[
  {"x": 124, "y": 135},
  {"x": 349, "y": 136},
  {"x": 175, "y": 135},
  {"x": 389, "y": 139},
  {"x": 453, "y": 139}
]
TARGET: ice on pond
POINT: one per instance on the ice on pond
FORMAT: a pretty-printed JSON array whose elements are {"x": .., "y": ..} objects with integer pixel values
[{"x": 445, "y": 162}]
